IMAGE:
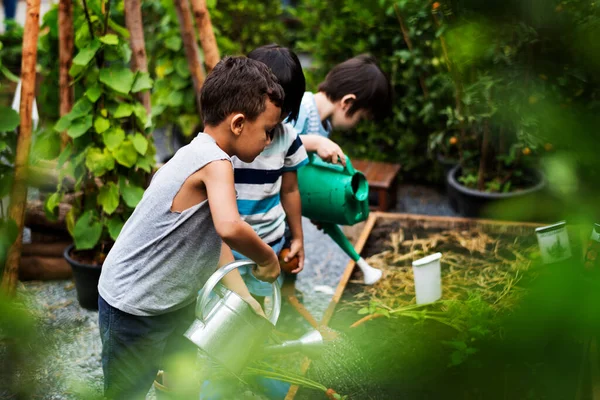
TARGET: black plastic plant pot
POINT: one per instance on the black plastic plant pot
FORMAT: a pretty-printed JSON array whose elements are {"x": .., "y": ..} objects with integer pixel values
[
  {"x": 86, "y": 281},
  {"x": 477, "y": 204}
]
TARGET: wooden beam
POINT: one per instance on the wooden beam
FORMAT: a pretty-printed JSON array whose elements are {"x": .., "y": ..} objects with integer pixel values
[
  {"x": 190, "y": 46},
  {"x": 139, "y": 61},
  {"x": 206, "y": 33},
  {"x": 65, "y": 57},
  {"x": 18, "y": 194}
]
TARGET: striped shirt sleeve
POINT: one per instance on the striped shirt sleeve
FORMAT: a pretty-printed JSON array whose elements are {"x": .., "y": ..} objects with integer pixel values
[{"x": 296, "y": 155}]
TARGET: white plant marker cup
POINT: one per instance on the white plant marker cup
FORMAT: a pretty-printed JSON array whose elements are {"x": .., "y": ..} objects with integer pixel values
[
  {"x": 554, "y": 242},
  {"x": 428, "y": 278}
]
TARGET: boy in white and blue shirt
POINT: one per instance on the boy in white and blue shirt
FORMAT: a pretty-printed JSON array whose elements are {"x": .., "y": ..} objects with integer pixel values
[
  {"x": 352, "y": 91},
  {"x": 267, "y": 188}
]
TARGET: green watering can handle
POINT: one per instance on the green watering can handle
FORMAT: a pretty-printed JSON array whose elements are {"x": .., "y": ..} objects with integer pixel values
[{"x": 314, "y": 159}]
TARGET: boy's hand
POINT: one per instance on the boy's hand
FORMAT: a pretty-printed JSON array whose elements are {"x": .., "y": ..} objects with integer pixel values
[
  {"x": 331, "y": 152},
  {"x": 296, "y": 250},
  {"x": 269, "y": 271}
]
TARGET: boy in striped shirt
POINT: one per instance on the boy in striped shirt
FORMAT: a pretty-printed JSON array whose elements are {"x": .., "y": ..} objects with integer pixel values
[{"x": 267, "y": 188}]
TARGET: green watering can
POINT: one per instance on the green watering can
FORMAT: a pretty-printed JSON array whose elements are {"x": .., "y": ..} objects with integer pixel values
[{"x": 333, "y": 194}]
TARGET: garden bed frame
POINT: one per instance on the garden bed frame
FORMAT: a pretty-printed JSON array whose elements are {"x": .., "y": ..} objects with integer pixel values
[{"x": 412, "y": 221}]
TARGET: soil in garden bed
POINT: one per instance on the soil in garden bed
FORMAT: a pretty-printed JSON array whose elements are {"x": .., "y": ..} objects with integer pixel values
[{"x": 532, "y": 350}]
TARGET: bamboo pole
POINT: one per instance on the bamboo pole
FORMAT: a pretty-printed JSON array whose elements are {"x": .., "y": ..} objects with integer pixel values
[
  {"x": 65, "y": 56},
  {"x": 192, "y": 52},
  {"x": 410, "y": 47},
  {"x": 18, "y": 195},
  {"x": 139, "y": 61},
  {"x": 206, "y": 33}
]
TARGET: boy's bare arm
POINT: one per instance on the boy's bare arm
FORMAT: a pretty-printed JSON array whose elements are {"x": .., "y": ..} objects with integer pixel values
[
  {"x": 292, "y": 205},
  {"x": 326, "y": 148},
  {"x": 234, "y": 282},
  {"x": 217, "y": 178}
]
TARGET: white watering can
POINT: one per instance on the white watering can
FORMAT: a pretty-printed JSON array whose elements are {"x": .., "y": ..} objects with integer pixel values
[{"x": 229, "y": 331}]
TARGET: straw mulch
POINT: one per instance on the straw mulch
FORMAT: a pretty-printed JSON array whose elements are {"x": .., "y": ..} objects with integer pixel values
[{"x": 473, "y": 263}]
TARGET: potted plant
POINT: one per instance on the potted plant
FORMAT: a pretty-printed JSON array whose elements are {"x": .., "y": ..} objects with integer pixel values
[
  {"x": 111, "y": 155},
  {"x": 498, "y": 138}
]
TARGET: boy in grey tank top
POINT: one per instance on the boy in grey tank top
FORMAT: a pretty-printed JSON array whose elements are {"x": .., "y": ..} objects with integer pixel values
[{"x": 184, "y": 227}]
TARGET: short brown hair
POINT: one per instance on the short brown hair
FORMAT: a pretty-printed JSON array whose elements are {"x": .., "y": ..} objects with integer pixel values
[
  {"x": 361, "y": 77},
  {"x": 238, "y": 85}
]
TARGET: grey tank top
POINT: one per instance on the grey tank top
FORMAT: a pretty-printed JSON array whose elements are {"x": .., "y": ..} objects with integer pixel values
[{"x": 162, "y": 258}]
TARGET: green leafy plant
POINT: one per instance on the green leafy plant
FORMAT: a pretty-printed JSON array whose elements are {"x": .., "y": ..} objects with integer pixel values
[
  {"x": 111, "y": 154},
  {"x": 173, "y": 87},
  {"x": 515, "y": 71},
  {"x": 9, "y": 121},
  {"x": 241, "y": 26}
]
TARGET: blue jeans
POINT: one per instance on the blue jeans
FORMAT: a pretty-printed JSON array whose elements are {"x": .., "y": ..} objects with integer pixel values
[{"x": 134, "y": 348}]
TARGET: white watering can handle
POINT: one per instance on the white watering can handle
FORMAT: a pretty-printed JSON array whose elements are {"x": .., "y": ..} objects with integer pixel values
[{"x": 220, "y": 274}]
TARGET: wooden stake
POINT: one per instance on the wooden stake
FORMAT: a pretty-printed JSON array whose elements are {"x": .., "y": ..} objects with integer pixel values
[
  {"x": 485, "y": 154},
  {"x": 18, "y": 194},
  {"x": 65, "y": 56},
  {"x": 207, "y": 35},
  {"x": 458, "y": 93},
  {"x": 410, "y": 47},
  {"x": 139, "y": 61},
  {"x": 192, "y": 52}
]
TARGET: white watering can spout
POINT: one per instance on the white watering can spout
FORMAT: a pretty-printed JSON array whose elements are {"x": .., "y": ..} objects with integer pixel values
[
  {"x": 371, "y": 274},
  {"x": 311, "y": 344}
]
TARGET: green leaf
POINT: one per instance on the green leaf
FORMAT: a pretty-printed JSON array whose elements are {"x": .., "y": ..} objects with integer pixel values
[
  {"x": 51, "y": 204},
  {"x": 9, "y": 119},
  {"x": 86, "y": 54},
  {"x": 110, "y": 39},
  {"x": 188, "y": 124},
  {"x": 140, "y": 113},
  {"x": 142, "y": 82},
  {"x": 181, "y": 66},
  {"x": 70, "y": 221},
  {"x": 80, "y": 127},
  {"x": 99, "y": 161},
  {"x": 113, "y": 138},
  {"x": 124, "y": 110},
  {"x": 5, "y": 185},
  {"x": 87, "y": 231},
  {"x": 146, "y": 163},
  {"x": 114, "y": 224},
  {"x": 75, "y": 70},
  {"x": 101, "y": 124},
  {"x": 65, "y": 155},
  {"x": 108, "y": 197},
  {"x": 81, "y": 109},
  {"x": 117, "y": 78},
  {"x": 9, "y": 75},
  {"x": 94, "y": 93},
  {"x": 175, "y": 99},
  {"x": 173, "y": 43},
  {"x": 140, "y": 143},
  {"x": 132, "y": 195},
  {"x": 364, "y": 310},
  {"x": 8, "y": 234},
  {"x": 125, "y": 154}
]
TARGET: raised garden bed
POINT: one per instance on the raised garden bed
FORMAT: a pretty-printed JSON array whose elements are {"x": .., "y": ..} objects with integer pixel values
[{"x": 505, "y": 327}]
